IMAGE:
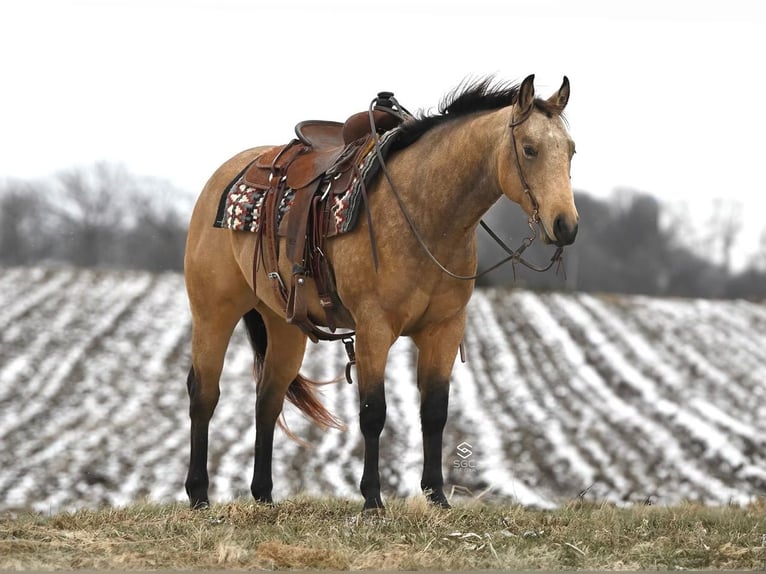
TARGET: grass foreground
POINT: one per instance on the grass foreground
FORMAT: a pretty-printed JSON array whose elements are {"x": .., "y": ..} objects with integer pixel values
[{"x": 311, "y": 533}]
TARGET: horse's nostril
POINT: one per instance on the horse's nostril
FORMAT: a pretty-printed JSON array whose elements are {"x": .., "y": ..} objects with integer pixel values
[
  {"x": 565, "y": 234},
  {"x": 560, "y": 229}
]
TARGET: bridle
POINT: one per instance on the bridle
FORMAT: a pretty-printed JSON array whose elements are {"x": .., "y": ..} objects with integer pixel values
[
  {"x": 514, "y": 255},
  {"x": 514, "y": 123}
]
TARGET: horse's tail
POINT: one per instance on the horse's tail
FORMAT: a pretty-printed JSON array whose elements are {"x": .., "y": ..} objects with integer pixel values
[{"x": 302, "y": 392}]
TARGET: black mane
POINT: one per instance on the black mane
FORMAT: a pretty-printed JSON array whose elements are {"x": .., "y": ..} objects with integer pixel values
[{"x": 467, "y": 98}]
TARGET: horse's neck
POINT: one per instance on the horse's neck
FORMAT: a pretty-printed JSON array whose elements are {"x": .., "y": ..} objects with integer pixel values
[{"x": 452, "y": 172}]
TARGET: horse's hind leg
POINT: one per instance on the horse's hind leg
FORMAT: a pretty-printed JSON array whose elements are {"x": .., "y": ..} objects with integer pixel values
[
  {"x": 437, "y": 346},
  {"x": 210, "y": 338},
  {"x": 282, "y": 357}
]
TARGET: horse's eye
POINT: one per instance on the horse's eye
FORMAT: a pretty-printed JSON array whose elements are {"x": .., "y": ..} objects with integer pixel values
[{"x": 530, "y": 151}]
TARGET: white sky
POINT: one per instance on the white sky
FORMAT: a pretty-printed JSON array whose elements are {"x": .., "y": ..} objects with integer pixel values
[{"x": 662, "y": 98}]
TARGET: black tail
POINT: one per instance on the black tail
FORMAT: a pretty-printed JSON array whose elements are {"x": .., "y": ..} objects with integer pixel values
[
  {"x": 259, "y": 339},
  {"x": 301, "y": 392}
]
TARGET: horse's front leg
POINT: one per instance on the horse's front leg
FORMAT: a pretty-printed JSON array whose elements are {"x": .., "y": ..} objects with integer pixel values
[
  {"x": 437, "y": 346},
  {"x": 372, "y": 345}
]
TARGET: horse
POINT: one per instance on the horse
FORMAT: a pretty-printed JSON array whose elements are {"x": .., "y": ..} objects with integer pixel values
[{"x": 487, "y": 140}]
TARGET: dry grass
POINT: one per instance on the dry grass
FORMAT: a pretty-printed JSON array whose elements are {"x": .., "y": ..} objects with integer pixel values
[{"x": 310, "y": 533}]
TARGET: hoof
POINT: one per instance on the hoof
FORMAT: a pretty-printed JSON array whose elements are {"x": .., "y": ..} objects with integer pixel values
[
  {"x": 264, "y": 499},
  {"x": 437, "y": 498},
  {"x": 374, "y": 504},
  {"x": 199, "y": 504}
]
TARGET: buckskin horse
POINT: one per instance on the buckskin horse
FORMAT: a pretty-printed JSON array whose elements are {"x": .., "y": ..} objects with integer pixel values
[{"x": 407, "y": 268}]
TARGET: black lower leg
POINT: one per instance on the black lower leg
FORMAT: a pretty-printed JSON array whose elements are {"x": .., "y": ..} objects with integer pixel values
[
  {"x": 433, "y": 417},
  {"x": 197, "y": 478},
  {"x": 268, "y": 406},
  {"x": 262, "y": 484},
  {"x": 372, "y": 418}
]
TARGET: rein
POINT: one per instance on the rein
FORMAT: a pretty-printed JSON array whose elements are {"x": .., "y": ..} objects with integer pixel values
[{"x": 514, "y": 255}]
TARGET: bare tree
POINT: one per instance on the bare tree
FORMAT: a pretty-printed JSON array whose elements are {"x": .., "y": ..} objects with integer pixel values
[
  {"x": 90, "y": 208},
  {"x": 110, "y": 217},
  {"x": 758, "y": 260},
  {"x": 724, "y": 229},
  {"x": 25, "y": 236}
]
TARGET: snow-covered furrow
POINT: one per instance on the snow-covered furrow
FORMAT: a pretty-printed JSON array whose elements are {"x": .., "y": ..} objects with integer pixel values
[
  {"x": 102, "y": 392},
  {"x": 164, "y": 476},
  {"x": 619, "y": 412},
  {"x": 682, "y": 323},
  {"x": 598, "y": 427},
  {"x": 495, "y": 430},
  {"x": 471, "y": 405},
  {"x": 133, "y": 400},
  {"x": 559, "y": 455},
  {"x": 54, "y": 322},
  {"x": 22, "y": 293},
  {"x": 740, "y": 352},
  {"x": 17, "y": 279},
  {"x": 662, "y": 363},
  {"x": 677, "y": 332},
  {"x": 565, "y": 396},
  {"x": 48, "y": 371},
  {"x": 732, "y": 448},
  {"x": 633, "y": 450},
  {"x": 740, "y": 318},
  {"x": 50, "y": 314},
  {"x": 756, "y": 314},
  {"x": 555, "y": 385},
  {"x": 647, "y": 401}
]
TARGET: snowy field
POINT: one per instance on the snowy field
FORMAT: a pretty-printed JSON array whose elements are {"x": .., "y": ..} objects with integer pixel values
[{"x": 619, "y": 398}]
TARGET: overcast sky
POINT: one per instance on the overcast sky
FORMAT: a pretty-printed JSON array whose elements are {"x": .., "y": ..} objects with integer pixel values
[{"x": 665, "y": 95}]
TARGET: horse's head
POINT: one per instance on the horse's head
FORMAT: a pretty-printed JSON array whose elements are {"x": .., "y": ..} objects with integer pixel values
[{"x": 534, "y": 170}]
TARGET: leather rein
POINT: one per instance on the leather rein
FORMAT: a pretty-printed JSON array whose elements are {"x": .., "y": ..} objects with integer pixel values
[{"x": 514, "y": 255}]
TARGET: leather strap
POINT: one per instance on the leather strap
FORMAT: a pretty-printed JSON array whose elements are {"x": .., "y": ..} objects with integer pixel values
[
  {"x": 297, "y": 222},
  {"x": 321, "y": 267},
  {"x": 270, "y": 243}
]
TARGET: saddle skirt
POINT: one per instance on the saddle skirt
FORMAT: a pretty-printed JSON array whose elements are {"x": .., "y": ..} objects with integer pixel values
[{"x": 241, "y": 205}]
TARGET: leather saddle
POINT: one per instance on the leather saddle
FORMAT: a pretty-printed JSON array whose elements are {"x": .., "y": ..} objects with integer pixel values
[
  {"x": 324, "y": 151},
  {"x": 322, "y": 145}
]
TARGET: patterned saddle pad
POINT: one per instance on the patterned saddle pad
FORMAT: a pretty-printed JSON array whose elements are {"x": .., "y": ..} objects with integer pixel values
[{"x": 240, "y": 206}]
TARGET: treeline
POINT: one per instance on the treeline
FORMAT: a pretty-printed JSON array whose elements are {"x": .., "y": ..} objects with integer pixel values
[{"x": 104, "y": 216}]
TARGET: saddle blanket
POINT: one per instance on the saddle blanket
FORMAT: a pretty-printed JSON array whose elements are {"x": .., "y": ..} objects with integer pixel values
[{"x": 241, "y": 204}]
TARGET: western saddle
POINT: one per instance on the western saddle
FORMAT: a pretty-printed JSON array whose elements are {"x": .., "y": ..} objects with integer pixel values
[{"x": 324, "y": 158}]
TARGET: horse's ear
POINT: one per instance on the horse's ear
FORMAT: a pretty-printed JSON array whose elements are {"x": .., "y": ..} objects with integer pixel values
[
  {"x": 526, "y": 93},
  {"x": 559, "y": 99}
]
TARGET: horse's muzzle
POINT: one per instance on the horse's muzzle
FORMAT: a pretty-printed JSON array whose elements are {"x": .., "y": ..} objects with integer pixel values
[{"x": 564, "y": 232}]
